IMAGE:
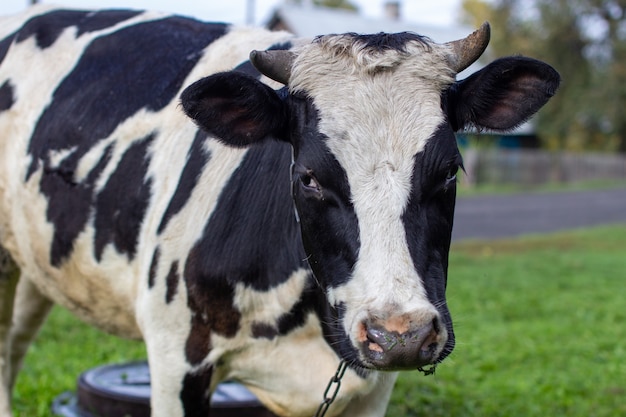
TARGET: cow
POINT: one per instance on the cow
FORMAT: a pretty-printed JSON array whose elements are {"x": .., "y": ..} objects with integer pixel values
[{"x": 254, "y": 206}]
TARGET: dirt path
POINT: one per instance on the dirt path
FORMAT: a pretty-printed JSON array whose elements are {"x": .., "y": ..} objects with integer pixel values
[{"x": 489, "y": 217}]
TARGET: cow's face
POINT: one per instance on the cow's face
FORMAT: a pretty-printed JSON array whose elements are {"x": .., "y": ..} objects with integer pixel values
[
  {"x": 374, "y": 186},
  {"x": 371, "y": 121}
]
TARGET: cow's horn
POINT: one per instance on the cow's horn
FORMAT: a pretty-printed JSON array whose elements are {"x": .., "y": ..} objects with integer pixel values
[
  {"x": 274, "y": 64},
  {"x": 467, "y": 50}
]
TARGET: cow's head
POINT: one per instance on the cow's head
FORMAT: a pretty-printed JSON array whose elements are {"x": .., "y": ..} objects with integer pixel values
[{"x": 371, "y": 119}]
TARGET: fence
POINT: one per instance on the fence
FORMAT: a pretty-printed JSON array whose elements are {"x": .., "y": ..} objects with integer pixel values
[{"x": 534, "y": 167}]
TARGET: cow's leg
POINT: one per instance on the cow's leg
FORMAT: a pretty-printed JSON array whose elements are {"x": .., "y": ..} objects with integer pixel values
[
  {"x": 178, "y": 389},
  {"x": 9, "y": 275},
  {"x": 374, "y": 404},
  {"x": 180, "y": 385},
  {"x": 30, "y": 311}
]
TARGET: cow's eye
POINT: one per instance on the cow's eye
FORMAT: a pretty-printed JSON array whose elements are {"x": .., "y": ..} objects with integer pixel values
[
  {"x": 307, "y": 183},
  {"x": 310, "y": 184},
  {"x": 450, "y": 181},
  {"x": 451, "y": 175}
]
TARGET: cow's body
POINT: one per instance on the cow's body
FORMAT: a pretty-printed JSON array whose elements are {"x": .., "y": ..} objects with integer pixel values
[{"x": 114, "y": 204}]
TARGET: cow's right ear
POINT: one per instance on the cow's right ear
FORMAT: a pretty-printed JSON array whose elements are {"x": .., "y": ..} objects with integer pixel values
[
  {"x": 502, "y": 95},
  {"x": 236, "y": 108}
]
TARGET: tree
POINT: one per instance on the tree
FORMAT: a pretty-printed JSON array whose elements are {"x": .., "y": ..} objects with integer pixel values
[
  {"x": 585, "y": 40},
  {"x": 610, "y": 81}
]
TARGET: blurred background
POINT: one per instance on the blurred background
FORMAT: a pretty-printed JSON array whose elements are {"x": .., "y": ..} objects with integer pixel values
[{"x": 538, "y": 265}]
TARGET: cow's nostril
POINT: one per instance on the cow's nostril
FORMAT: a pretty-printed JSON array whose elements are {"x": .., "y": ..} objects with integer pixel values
[
  {"x": 391, "y": 350},
  {"x": 375, "y": 341},
  {"x": 429, "y": 347}
]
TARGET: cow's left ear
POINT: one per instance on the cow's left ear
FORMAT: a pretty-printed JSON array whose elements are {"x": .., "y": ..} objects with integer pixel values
[
  {"x": 502, "y": 95},
  {"x": 236, "y": 108}
]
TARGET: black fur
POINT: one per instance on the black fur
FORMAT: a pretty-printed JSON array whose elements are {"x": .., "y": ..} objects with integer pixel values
[
  {"x": 429, "y": 217},
  {"x": 235, "y": 108},
  {"x": 381, "y": 42},
  {"x": 254, "y": 207},
  {"x": 6, "y": 96},
  {"x": 121, "y": 205},
  {"x": 47, "y": 27},
  {"x": 502, "y": 95}
]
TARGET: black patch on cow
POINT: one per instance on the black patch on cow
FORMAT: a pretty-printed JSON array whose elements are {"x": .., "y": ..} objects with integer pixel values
[
  {"x": 197, "y": 158},
  {"x": 429, "y": 216},
  {"x": 330, "y": 228},
  {"x": 122, "y": 203},
  {"x": 5, "y": 44},
  {"x": 47, "y": 28},
  {"x": 252, "y": 236},
  {"x": 211, "y": 301},
  {"x": 7, "y": 97},
  {"x": 247, "y": 68},
  {"x": 264, "y": 331},
  {"x": 154, "y": 265},
  {"x": 386, "y": 41},
  {"x": 103, "y": 19},
  {"x": 296, "y": 317},
  {"x": 283, "y": 46},
  {"x": 69, "y": 201},
  {"x": 195, "y": 394},
  {"x": 137, "y": 67},
  {"x": 171, "y": 282}
]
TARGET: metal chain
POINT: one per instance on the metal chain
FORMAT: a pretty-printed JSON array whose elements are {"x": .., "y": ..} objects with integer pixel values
[
  {"x": 428, "y": 371},
  {"x": 332, "y": 389}
]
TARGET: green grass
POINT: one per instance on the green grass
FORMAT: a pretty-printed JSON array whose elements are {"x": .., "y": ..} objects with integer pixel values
[
  {"x": 540, "y": 327},
  {"x": 466, "y": 190},
  {"x": 64, "y": 348}
]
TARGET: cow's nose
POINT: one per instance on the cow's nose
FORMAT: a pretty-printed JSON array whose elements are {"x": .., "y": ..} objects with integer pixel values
[{"x": 392, "y": 350}]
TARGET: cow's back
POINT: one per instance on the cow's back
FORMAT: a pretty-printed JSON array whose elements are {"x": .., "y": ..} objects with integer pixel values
[{"x": 99, "y": 167}]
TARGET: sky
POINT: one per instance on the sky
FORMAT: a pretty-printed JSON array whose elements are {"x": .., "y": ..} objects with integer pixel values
[{"x": 438, "y": 12}]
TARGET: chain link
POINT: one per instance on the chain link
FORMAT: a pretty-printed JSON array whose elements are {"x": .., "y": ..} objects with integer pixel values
[
  {"x": 332, "y": 389},
  {"x": 428, "y": 371}
]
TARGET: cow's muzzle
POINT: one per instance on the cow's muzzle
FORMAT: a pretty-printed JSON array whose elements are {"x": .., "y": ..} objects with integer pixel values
[{"x": 388, "y": 347}]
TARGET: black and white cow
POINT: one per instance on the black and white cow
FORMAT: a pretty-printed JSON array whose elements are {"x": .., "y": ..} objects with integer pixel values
[{"x": 175, "y": 223}]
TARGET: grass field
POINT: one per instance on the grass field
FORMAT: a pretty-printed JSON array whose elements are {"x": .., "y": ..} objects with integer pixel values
[
  {"x": 464, "y": 189},
  {"x": 540, "y": 327}
]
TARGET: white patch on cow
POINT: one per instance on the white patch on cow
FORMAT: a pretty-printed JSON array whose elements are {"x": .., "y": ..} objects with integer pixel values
[
  {"x": 57, "y": 157},
  {"x": 378, "y": 110},
  {"x": 268, "y": 306},
  {"x": 296, "y": 387},
  {"x": 165, "y": 328},
  {"x": 89, "y": 160}
]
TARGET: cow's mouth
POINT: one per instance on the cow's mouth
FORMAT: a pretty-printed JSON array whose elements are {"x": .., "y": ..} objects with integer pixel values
[
  {"x": 400, "y": 343},
  {"x": 386, "y": 350}
]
